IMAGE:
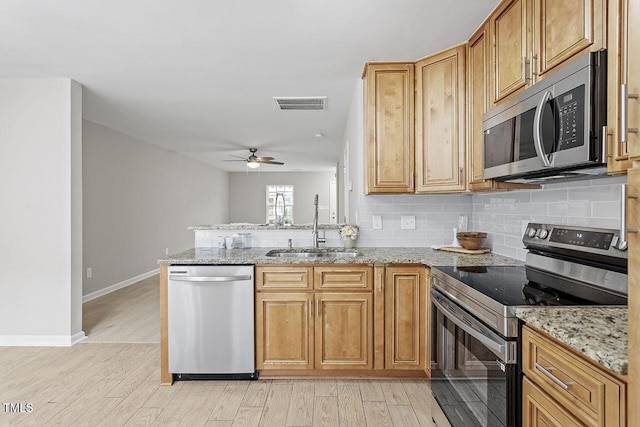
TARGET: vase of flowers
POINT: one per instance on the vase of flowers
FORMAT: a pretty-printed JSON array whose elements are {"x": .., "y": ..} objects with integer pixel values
[{"x": 348, "y": 233}]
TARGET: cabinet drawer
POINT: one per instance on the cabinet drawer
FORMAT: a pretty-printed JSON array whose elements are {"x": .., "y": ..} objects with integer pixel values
[
  {"x": 580, "y": 386},
  {"x": 285, "y": 277},
  {"x": 357, "y": 278},
  {"x": 538, "y": 409}
]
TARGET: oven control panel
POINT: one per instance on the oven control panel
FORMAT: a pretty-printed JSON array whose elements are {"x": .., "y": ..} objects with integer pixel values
[{"x": 549, "y": 237}]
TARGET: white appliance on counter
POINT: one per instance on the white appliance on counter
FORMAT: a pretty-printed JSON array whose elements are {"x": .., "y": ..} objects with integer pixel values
[{"x": 211, "y": 322}]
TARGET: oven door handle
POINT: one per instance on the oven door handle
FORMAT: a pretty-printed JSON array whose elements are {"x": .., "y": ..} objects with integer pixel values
[{"x": 499, "y": 349}]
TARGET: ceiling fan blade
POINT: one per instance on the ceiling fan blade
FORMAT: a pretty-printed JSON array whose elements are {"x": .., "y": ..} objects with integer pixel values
[
  {"x": 265, "y": 159},
  {"x": 270, "y": 162},
  {"x": 243, "y": 160}
]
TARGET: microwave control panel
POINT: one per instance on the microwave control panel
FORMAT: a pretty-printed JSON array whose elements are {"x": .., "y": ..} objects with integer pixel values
[{"x": 570, "y": 118}]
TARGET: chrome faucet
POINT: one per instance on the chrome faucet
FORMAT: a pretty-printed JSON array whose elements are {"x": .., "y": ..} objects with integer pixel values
[{"x": 316, "y": 240}]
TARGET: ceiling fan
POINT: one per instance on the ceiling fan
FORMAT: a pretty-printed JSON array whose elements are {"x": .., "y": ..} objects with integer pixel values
[{"x": 254, "y": 161}]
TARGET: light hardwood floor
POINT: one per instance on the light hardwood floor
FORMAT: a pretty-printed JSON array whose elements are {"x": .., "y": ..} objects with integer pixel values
[
  {"x": 117, "y": 384},
  {"x": 130, "y": 314}
]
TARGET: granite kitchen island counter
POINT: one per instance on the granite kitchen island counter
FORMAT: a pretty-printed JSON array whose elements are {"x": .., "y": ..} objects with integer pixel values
[
  {"x": 424, "y": 256},
  {"x": 599, "y": 333}
]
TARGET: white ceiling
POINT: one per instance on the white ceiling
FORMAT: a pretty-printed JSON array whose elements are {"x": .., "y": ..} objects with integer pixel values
[{"x": 198, "y": 76}]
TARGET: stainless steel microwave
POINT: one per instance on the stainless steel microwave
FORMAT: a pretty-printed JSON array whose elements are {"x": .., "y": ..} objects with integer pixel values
[{"x": 552, "y": 130}]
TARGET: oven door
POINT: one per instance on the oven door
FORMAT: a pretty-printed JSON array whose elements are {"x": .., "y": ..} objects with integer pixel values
[{"x": 474, "y": 375}]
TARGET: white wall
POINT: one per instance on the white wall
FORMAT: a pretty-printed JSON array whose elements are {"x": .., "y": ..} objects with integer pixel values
[
  {"x": 41, "y": 217},
  {"x": 247, "y": 195},
  {"x": 354, "y": 138},
  {"x": 139, "y": 200}
]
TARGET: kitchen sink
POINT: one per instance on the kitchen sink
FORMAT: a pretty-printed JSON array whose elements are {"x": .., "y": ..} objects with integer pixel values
[{"x": 313, "y": 253}]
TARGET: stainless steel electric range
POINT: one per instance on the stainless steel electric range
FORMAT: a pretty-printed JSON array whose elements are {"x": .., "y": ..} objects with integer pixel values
[{"x": 476, "y": 362}]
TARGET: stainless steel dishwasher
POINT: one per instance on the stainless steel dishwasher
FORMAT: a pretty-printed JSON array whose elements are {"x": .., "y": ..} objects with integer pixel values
[{"x": 211, "y": 322}]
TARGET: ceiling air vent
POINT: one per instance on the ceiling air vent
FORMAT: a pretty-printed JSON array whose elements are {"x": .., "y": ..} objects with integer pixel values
[{"x": 301, "y": 103}]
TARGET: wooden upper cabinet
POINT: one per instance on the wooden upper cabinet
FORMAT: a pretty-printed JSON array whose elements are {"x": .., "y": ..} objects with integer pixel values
[
  {"x": 510, "y": 53},
  {"x": 440, "y": 123},
  {"x": 478, "y": 94},
  {"x": 389, "y": 100},
  {"x": 622, "y": 69},
  {"x": 477, "y": 102},
  {"x": 565, "y": 28},
  {"x": 632, "y": 75},
  {"x": 531, "y": 38}
]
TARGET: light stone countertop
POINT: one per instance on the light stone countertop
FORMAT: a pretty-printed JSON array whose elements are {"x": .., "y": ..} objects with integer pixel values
[
  {"x": 599, "y": 333},
  {"x": 425, "y": 256},
  {"x": 263, "y": 227}
]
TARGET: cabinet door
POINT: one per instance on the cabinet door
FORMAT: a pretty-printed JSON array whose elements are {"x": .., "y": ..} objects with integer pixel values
[
  {"x": 344, "y": 330},
  {"x": 565, "y": 29},
  {"x": 617, "y": 157},
  {"x": 389, "y": 97},
  {"x": 633, "y": 223},
  {"x": 511, "y": 47},
  {"x": 440, "y": 122},
  {"x": 284, "y": 330},
  {"x": 539, "y": 410},
  {"x": 631, "y": 14},
  {"x": 477, "y": 55},
  {"x": 478, "y": 93},
  {"x": 406, "y": 320}
]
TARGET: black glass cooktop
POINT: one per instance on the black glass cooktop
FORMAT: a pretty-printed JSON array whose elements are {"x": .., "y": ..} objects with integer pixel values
[{"x": 521, "y": 286}]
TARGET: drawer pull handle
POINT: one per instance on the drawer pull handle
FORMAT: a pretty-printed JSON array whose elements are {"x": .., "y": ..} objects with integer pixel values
[{"x": 551, "y": 376}]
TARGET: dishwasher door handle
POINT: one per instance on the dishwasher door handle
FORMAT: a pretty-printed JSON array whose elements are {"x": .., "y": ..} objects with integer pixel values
[{"x": 209, "y": 278}]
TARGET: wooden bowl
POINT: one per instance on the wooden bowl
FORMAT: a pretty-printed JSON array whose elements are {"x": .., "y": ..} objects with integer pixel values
[{"x": 471, "y": 239}]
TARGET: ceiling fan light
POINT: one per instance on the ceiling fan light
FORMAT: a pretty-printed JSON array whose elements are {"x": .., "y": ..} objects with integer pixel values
[{"x": 253, "y": 165}]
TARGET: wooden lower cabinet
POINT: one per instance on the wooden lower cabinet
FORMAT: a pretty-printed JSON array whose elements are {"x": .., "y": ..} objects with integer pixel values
[
  {"x": 328, "y": 327},
  {"x": 344, "y": 330},
  {"x": 284, "y": 330},
  {"x": 347, "y": 321},
  {"x": 538, "y": 409},
  {"x": 405, "y": 317},
  {"x": 563, "y": 388}
]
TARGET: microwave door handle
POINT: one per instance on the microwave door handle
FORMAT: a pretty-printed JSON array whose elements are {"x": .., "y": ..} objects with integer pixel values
[{"x": 537, "y": 130}]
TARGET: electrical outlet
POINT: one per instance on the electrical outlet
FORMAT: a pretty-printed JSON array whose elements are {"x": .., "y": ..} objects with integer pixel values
[
  {"x": 377, "y": 222},
  {"x": 166, "y": 251},
  {"x": 408, "y": 222},
  {"x": 89, "y": 273}
]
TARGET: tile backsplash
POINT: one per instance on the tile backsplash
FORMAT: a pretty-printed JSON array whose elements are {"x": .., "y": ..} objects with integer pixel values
[
  {"x": 503, "y": 216},
  {"x": 593, "y": 203},
  {"x": 435, "y": 218}
]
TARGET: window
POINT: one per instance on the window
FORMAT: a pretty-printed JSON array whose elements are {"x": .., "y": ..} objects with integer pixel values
[{"x": 287, "y": 192}]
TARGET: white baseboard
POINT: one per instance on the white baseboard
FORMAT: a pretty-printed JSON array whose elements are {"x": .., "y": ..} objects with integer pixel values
[
  {"x": 123, "y": 284},
  {"x": 41, "y": 340}
]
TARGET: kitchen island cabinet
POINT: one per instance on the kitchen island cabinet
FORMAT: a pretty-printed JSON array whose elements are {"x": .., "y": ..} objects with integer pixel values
[
  {"x": 328, "y": 327},
  {"x": 287, "y": 292}
]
